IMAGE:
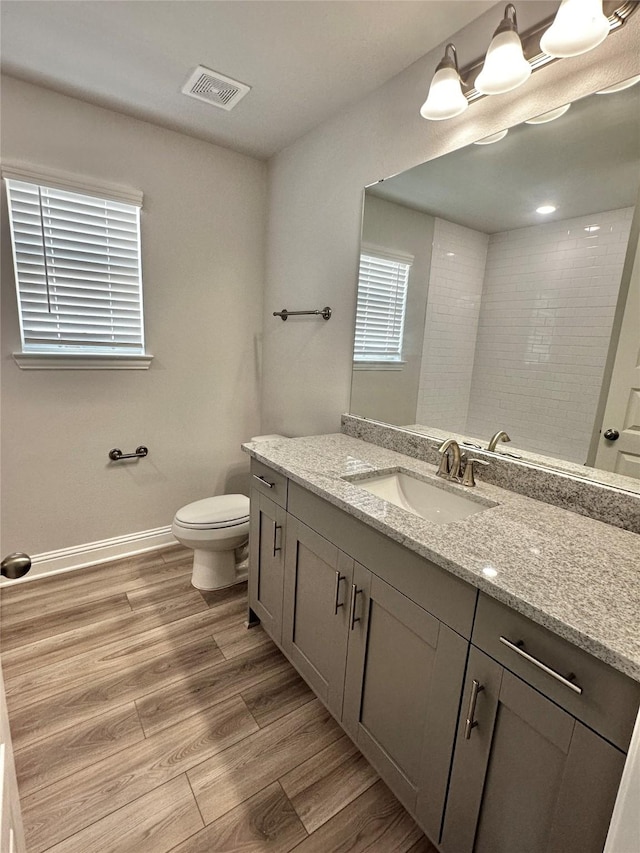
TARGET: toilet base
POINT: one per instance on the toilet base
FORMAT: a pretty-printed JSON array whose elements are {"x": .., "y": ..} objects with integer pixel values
[{"x": 217, "y": 570}]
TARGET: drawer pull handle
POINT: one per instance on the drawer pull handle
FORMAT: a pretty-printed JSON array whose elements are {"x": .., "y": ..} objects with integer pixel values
[
  {"x": 567, "y": 680},
  {"x": 471, "y": 722},
  {"x": 276, "y": 527},
  {"x": 338, "y": 603},
  {"x": 263, "y": 481},
  {"x": 352, "y": 616}
]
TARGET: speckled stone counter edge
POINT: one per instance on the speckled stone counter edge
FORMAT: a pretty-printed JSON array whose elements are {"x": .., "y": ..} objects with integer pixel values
[{"x": 594, "y": 500}]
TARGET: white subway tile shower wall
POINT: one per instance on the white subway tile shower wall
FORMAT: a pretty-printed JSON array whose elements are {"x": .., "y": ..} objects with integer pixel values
[
  {"x": 547, "y": 310},
  {"x": 453, "y": 307}
]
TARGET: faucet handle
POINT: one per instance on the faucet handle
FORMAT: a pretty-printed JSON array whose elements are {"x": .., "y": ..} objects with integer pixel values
[
  {"x": 444, "y": 469},
  {"x": 468, "y": 479}
]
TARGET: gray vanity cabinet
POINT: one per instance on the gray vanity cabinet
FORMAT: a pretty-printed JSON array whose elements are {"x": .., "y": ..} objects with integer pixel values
[
  {"x": 317, "y": 588},
  {"x": 266, "y": 555},
  {"x": 526, "y": 774},
  {"x": 382, "y": 635},
  {"x": 402, "y": 691}
]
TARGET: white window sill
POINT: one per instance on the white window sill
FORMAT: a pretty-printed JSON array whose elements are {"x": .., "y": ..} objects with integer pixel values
[
  {"x": 378, "y": 365},
  {"x": 80, "y": 361}
]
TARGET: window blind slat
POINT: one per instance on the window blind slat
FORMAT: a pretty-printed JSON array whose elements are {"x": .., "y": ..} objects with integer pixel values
[
  {"x": 34, "y": 254},
  {"x": 77, "y": 261},
  {"x": 122, "y": 293}
]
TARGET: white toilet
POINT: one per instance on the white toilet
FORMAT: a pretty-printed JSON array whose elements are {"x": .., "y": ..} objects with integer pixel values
[{"x": 218, "y": 531}]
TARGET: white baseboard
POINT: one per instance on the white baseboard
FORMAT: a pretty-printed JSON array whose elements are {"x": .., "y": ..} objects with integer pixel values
[{"x": 81, "y": 556}]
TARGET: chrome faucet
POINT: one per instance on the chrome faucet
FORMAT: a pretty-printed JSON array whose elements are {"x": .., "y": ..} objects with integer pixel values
[
  {"x": 499, "y": 436},
  {"x": 450, "y": 470}
]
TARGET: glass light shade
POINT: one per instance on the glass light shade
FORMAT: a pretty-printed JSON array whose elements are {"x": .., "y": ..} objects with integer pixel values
[
  {"x": 552, "y": 115},
  {"x": 505, "y": 67},
  {"x": 579, "y": 26},
  {"x": 495, "y": 137},
  {"x": 620, "y": 87},
  {"x": 445, "y": 99}
]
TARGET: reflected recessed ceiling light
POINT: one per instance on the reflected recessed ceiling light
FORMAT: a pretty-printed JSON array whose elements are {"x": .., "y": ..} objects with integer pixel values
[
  {"x": 451, "y": 254},
  {"x": 495, "y": 137},
  {"x": 489, "y": 571},
  {"x": 619, "y": 87},
  {"x": 546, "y": 208},
  {"x": 552, "y": 115},
  {"x": 592, "y": 228}
]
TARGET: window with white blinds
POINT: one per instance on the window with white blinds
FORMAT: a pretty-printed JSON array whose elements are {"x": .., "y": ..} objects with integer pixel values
[
  {"x": 380, "y": 312},
  {"x": 78, "y": 276}
]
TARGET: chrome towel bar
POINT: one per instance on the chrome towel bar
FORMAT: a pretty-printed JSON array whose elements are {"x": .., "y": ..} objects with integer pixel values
[
  {"x": 323, "y": 312},
  {"x": 116, "y": 454}
]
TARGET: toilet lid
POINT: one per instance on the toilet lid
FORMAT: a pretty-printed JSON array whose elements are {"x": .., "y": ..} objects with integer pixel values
[{"x": 221, "y": 511}]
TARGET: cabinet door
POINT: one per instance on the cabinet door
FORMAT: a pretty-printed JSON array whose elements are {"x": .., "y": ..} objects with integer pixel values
[
  {"x": 526, "y": 775},
  {"x": 316, "y": 603},
  {"x": 402, "y": 692},
  {"x": 266, "y": 562}
]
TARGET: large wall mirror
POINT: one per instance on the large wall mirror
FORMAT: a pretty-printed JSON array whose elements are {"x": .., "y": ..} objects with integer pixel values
[{"x": 498, "y": 290}]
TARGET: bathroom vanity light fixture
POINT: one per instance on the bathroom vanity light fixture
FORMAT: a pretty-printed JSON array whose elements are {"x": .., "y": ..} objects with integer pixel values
[
  {"x": 445, "y": 98},
  {"x": 505, "y": 67},
  {"x": 578, "y": 26}
]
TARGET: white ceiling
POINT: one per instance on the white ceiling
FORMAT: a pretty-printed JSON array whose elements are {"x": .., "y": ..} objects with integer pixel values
[{"x": 304, "y": 59}]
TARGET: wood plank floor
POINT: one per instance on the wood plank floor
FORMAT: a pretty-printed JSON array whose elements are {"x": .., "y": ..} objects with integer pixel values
[{"x": 147, "y": 719}]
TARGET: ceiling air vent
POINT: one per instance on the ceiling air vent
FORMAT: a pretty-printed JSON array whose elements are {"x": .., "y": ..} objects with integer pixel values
[{"x": 214, "y": 88}]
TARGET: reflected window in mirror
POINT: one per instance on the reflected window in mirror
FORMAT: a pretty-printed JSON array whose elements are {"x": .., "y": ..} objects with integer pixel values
[{"x": 383, "y": 281}]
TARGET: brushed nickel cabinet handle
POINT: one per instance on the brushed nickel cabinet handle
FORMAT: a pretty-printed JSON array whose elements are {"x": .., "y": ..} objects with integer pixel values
[
  {"x": 337, "y": 603},
  {"x": 352, "y": 615},
  {"x": 263, "y": 481},
  {"x": 276, "y": 527},
  {"x": 471, "y": 722},
  {"x": 567, "y": 680}
]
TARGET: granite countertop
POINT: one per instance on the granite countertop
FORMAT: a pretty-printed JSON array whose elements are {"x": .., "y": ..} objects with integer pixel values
[{"x": 578, "y": 577}]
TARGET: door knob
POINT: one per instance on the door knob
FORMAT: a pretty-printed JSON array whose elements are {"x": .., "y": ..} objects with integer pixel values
[
  {"x": 15, "y": 565},
  {"x": 611, "y": 434}
]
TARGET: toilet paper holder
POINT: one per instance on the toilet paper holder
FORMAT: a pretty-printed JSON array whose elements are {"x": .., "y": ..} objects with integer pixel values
[{"x": 116, "y": 454}]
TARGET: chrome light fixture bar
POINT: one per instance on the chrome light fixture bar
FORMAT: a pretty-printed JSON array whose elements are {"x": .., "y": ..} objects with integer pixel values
[{"x": 616, "y": 13}]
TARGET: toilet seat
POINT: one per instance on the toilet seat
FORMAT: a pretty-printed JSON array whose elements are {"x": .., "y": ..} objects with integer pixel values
[{"x": 214, "y": 513}]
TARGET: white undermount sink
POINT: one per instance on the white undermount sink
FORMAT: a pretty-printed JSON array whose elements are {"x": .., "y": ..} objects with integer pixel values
[{"x": 427, "y": 500}]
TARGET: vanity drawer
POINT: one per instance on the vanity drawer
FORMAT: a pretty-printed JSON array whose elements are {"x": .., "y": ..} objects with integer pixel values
[
  {"x": 448, "y": 598},
  {"x": 269, "y": 482},
  {"x": 609, "y": 700}
]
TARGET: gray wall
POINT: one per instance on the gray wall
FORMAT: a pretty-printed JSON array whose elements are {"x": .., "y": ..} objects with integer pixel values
[
  {"x": 315, "y": 204},
  {"x": 392, "y": 395},
  {"x": 202, "y": 259}
]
